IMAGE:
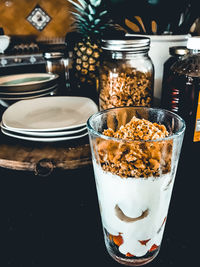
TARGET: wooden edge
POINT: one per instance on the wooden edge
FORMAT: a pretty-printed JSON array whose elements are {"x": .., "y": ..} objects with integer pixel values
[{"x": 26, "y": 166}]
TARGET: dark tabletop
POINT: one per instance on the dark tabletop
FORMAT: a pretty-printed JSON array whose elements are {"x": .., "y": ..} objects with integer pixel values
[{"x": 54, "y": 220}]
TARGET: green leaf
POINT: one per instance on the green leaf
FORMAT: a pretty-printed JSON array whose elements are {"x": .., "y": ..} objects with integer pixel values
[
  {"x": 92, "y": 10},
  {"x": 79, "y": 18},
  {"x": 83, "y": 3},
  {"x": 103, "y": 13},
  {"x": 96, "y": 21},
  {"x": 90, "y": 17},
  {"x": 96, "y": 3},
  {"x": 77, "y": 6},
  {"x": 83, "y": 13}
]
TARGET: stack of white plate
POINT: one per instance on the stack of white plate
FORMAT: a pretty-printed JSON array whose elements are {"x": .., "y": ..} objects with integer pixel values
[
  {"x": 26, "y": 86},
  {"x": 48, "y": 119}
]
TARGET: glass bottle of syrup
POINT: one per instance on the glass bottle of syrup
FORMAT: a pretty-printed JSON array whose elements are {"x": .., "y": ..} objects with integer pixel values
[
  {"x": 184, "y": 87},
  {"x": 176, "y": 53}
]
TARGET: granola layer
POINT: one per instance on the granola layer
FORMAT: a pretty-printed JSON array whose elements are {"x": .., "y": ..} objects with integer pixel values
[{"x": 136, "y": 158}]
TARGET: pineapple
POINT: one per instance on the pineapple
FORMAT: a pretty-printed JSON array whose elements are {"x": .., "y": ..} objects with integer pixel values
[
  {"x": 91, "y": 22},
  {"x": 86, "y": 61}
]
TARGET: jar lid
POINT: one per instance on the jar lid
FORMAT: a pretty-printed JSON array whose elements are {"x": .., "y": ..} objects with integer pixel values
[
  {"x": 194, "y": 43},
  {"x": 178, "y": 50},
  {"x": 127, "y": 43},
  {"x": 53, "y": 55}
]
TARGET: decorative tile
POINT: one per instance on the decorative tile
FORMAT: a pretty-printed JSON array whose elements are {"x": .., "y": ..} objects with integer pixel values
[{"x": 38, "y": 18}]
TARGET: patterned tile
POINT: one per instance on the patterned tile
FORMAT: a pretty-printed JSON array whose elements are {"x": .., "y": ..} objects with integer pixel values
[{"x": 38, "y": 18}]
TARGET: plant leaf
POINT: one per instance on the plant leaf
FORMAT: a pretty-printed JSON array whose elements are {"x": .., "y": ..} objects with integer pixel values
[
  {"x": 96, "y": 21},
  {"x": 96, "y": 3},
  {"x": 83, "y": 3},
  {"x": 90, "y": 17},
  {"x": 77, "y": 6},
  {"x": 103, "y": 13},
  {"x": 80, "y": 18},
  {"x": 92, "y": 10}
]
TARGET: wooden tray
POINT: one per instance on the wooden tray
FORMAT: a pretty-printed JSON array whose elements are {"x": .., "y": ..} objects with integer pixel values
[{"x": 43, "y": 157}]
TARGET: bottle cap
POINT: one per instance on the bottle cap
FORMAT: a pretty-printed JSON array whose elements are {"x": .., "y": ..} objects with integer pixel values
[
  {"x": 178, "y": 50},
  {"x": 194, "y": 43}
]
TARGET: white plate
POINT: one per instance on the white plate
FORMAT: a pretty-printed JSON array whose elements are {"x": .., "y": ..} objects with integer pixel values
[
  {"x": 49, "y": 113},
  {"x": 27, "y": 97},
  {"x": 45, "y": 139},
  {"x": 79, "y": 131},
  {"x": 24, "y": 93},
  {"x": 6, "y": 102},
  {"x": 27, "y": 81}
]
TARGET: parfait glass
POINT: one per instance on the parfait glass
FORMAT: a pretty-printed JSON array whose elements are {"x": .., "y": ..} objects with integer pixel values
[{"x": 134, "y": 181}]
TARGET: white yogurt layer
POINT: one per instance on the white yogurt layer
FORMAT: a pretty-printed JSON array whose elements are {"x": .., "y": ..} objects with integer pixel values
[{"x": 134, "y": 197}]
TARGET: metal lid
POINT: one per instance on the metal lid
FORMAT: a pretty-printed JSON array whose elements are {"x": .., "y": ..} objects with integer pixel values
[
  {"x": 178, "y": 50},
  {"x": 127, "y": 43},
  {"x": 53, "y": 55}
]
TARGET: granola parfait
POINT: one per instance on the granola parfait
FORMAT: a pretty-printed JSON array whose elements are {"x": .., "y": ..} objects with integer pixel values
[{"x": 135, "y": 152}]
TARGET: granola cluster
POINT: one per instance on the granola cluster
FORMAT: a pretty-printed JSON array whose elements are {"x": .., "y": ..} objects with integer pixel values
[
  {"x": 126, "y": 88},
  {"x": 139, "y": 129},
  {"x": 138, "y": 158}
]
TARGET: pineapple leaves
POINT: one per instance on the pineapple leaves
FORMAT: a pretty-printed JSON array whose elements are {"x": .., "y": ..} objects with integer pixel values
[
  {"x": 91, "y": 18},
  {"x": 76, "y": 6},
  {"x": 77, "y": 16},
  {"x": 96, "y": 21},
  {"x": 95, "y": 3},
  {"x": 101, "y": 14},
  {"x": 83, "y": 3},
  {"x": 92, "y": 10}
]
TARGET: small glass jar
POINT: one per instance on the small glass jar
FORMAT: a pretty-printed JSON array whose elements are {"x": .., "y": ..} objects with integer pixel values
[
  {"x": 126, "y": 73},
  {"x": 55, "y": 64}
]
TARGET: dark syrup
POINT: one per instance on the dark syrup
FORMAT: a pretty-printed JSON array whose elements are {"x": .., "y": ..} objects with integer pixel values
[
  {"x": 183, "y": 93},
  {"x": 182, "y": 99}
]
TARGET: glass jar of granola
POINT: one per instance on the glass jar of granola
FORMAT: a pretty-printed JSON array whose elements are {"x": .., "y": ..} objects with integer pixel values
[{"x": 126, "y": 73}]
